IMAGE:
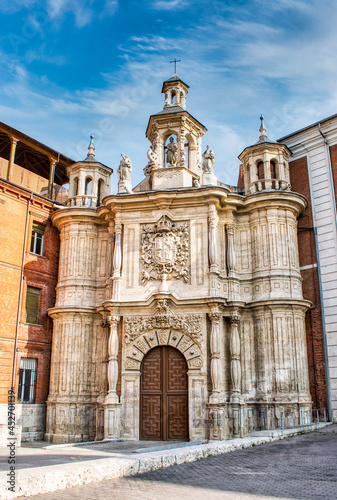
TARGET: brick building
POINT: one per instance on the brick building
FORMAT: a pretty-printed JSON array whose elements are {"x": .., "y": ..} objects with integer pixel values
[
  {"x": 313, "y": 172},
  {"x": 30, "y": 175}
]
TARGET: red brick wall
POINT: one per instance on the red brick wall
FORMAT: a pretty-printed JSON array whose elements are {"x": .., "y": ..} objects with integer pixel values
[
  {"x": 34, "y": 341},
  {"x": 307, "y": 254}
]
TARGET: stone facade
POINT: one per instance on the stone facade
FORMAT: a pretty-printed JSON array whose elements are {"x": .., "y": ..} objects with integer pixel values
[{"x": 187, "y": 262}]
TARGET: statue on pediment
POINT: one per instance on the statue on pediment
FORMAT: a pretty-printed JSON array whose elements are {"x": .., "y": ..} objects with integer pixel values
[
  {"x": 124, "y": 175},
  {"x": 208, "y": 160},
  {"x": 172, "y": 153}
]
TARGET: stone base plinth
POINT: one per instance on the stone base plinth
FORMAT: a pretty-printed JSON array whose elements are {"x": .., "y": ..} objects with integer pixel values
[
  {"x": 112, "y": 421},
  {"x": 172, "y": 177},
  {"x": 209, "y": 179}
]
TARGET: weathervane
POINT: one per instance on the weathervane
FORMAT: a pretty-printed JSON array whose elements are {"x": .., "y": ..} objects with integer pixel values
[{"x": 175, "y": 64}]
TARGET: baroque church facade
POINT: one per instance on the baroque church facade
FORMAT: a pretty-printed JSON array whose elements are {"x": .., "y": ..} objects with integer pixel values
[{"x": 179, "y": 312}]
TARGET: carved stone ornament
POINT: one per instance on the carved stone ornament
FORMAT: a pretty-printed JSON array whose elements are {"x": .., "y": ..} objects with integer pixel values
[
  {"x": 190, "y": 324},
  {"x": 165, "y": 251},
  {"x": 170, "y": 174}
]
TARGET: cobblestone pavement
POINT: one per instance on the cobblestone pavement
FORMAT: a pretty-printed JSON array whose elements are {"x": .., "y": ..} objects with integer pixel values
[{"x": 301, "y": 467}]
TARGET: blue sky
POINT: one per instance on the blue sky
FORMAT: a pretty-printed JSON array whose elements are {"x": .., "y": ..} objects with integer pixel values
[{"x": 72, "y": 67}]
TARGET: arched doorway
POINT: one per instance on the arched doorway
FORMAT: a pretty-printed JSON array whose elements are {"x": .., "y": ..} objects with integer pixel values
[{"x": 164, "y": 396}]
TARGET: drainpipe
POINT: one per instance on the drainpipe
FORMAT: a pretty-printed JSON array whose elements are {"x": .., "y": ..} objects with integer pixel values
[
  {"x": 20, "y": 292},
  {"x": 320, "y": 280}
]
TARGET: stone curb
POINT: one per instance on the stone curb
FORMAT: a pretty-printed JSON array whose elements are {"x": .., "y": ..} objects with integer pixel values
[{"x": 39, "y": 480}]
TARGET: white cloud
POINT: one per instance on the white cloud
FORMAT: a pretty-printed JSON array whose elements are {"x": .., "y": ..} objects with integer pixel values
[
  {"x": 12, "y": 6},
  {"x": 110, "y": 7},
  {"x": 43, "y": 55},
  {"x": 83, "y": 10},
  {"x": 170, "y": 4}
]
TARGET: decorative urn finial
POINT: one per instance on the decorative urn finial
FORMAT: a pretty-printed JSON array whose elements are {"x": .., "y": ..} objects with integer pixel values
[
  {"x": 91, "y": 149},
  {"x": 263, "y": 130}
]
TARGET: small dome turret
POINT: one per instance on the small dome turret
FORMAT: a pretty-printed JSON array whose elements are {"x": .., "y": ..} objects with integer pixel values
[
  {"x": 265, "y": 164},
  {"x": 89, "y": 180}
]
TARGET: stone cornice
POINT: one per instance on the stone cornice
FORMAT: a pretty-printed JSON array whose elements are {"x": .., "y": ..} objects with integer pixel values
[
  {"x": 9, "y": 188},
  {"x": 276, "y": 199},
  {"x": 309, "y": 139},
  {"x": 278, "y": 302},
  {"x": 264, "y": 146},
  {"x": 140, "y": 304},
  {"x": 65, "y": 310},
  {"x": 175, "y": 198},
  {"x": 165, "y": 117},
  {"x": 76, "y": 214}
]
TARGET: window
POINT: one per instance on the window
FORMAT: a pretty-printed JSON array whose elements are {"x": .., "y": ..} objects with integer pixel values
[
  {"x": 36, "y": 242},
  {"x": 76, "y": 186},
  {"x": 88, "y": 186},
  {"x": 32, "y": 305},
  {"x": 260, "y": 170},
  {"x": 99, "y": 191},
  {"x": 27, "y": 380}
]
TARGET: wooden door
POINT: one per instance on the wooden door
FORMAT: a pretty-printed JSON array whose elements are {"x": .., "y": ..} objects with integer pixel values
[{"x": 164, "y": 396}]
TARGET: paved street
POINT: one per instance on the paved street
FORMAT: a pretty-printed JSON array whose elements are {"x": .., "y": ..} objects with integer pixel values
[{"x": 302, "y": 467}]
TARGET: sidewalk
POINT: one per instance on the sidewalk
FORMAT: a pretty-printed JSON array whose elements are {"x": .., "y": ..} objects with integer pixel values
[{"x": 42, "y": 468}]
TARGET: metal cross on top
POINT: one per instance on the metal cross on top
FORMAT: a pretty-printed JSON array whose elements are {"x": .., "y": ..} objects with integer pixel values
[{"x": 175, "y": 64}]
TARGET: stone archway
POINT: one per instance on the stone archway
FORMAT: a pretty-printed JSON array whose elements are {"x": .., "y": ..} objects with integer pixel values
[{"x": 164, "y": 395}]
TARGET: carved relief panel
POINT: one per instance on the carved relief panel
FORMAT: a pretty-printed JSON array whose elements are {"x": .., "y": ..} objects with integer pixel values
[
  {"x": 165, "y": 251},
  {"x": 182, "y": 331}
]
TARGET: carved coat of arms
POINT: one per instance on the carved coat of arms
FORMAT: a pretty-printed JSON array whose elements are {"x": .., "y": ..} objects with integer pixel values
[{"x": 165, "y": 250}]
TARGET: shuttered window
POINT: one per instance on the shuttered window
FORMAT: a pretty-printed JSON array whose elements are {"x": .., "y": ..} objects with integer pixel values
[
  {"x": 32, "y": 305},
  {"x": 27, "y": 380},
  {"x": 36, "y": 242}
]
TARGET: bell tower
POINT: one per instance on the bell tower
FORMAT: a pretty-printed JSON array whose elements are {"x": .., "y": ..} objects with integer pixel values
[
  {"x": 89, "y": 180},
  {"x": 265, "y": 164},
  {"x": 175, "y": 137}
]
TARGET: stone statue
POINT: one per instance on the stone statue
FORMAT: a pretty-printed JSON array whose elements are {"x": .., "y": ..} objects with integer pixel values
[
  {"x": 171, "y": 153},
  {"x": 124, "y": 175},
  {"x": 153, "y": 158},
  {"x": 124, "y": 169},
  {"x": 208, "y": 160}
]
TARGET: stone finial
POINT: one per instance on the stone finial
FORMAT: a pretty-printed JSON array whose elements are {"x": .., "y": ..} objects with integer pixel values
[
  {"x": 263, "y": 130},
  {"x": 91, "y": 149}
]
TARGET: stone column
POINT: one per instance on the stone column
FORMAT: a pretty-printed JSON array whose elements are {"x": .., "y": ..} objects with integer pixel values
[
  {"x": 81, "y": 189},
  {"x": 52, "y": 167},
  {"x": 94, "y": 191},
  {"x": 181, "y": 142},
  {"x": 112, "y": 357},
  {"x": 216, "y": 374},
  {"x": 111, "y": 404},
  {"x": 14, "y": 142},
  {"x": 267, "y": 173},
  {"x": 235, "y": 358},
  {"x": 231, "y": 264},
  {"x": 117, "y": 261},
  {"x": 161, "y": 152},
  {"x": 109, "y": 268},
  {"x": 103, "y": 383},
  {"x": 213, "y": 221}
]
